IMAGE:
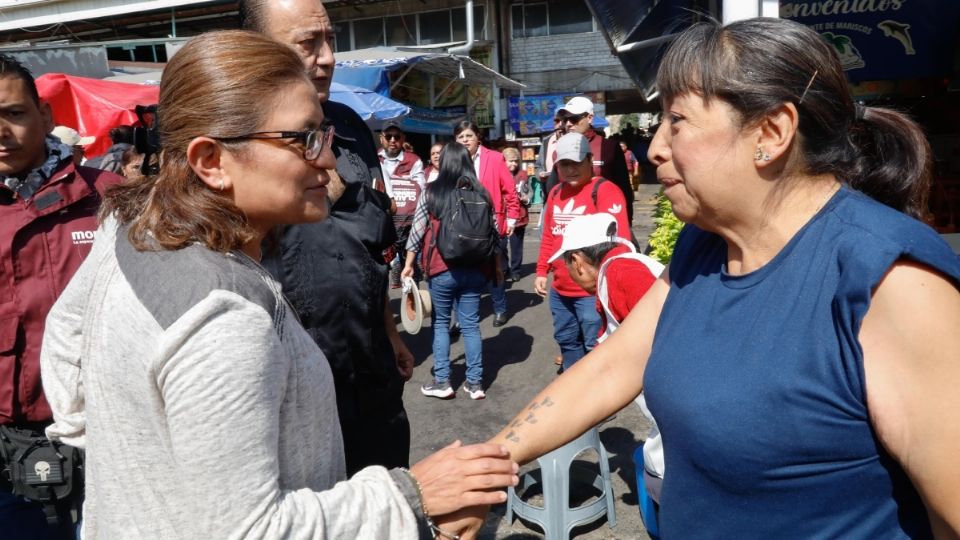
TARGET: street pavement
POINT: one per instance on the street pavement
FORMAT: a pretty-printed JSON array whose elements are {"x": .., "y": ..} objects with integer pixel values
[{"x": 518, "y": 361}]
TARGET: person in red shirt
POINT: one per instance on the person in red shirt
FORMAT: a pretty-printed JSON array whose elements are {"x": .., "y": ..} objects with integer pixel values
[
  {"x": 575, "y": 320},
  {"x": 608, "y": 161},
  {"x": 609, "y": 267},
  {"x": 524, "y": 193},
  {"x": 633, "y": 166}
]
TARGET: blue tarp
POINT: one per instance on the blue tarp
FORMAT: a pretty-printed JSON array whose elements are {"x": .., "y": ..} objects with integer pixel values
[{"x": 370, "y": 105}]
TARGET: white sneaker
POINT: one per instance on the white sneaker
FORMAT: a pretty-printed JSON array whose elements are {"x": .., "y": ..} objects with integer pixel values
[
  {"x": 438, "y": 390},
  {"x": 474, "y": 390}
]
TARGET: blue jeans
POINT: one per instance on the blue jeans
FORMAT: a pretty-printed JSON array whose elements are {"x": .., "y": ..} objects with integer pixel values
[
  {"x": 576, "y": 324},
  {"x": 463, "y": 286}
]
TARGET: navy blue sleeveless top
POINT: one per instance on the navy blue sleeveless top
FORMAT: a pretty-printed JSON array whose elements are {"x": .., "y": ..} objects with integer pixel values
[{"x": 757, "y": 383}]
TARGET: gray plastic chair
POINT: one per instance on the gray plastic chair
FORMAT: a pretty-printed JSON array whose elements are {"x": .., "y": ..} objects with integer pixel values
[{"x": 557, "y": 469}]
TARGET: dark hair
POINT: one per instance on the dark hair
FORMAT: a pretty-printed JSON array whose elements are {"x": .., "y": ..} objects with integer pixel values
[
  {"x": 465, "y": 125},
  {"x": 213, "y": 86},
  {"x": 757, "y": 65},
  {"x": 10, "y": 67},
  {"x": 456, "y": 172},
  {"x": 591, "y": 254},
  {"x": 252, "y": 15},
  {"x": 122, "y": 134}
]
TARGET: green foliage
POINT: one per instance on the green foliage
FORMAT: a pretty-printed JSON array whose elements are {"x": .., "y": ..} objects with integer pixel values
[{"x": 668, "y": 228}]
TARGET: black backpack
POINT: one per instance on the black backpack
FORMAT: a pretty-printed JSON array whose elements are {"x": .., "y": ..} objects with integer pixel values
[{"x": 467, "y": 234}]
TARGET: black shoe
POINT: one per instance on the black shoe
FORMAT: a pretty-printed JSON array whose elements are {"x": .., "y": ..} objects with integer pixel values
[{"x": 499, "y": 319}]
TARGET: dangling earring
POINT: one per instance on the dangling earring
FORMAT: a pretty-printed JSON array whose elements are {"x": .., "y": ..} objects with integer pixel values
[
  {"x": 221, "y": 184},
  {"x": 760, "y": 154}
]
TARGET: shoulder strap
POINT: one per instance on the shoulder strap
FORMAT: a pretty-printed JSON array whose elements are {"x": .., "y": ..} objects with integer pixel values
[
  {"x": 91, "y": 177},
  {"x": 556, "y": 190},
  {"x": 596, "y": 189}
]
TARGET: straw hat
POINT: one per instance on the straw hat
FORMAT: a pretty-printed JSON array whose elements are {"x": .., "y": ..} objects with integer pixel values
[{"x": 415, "y": 306}]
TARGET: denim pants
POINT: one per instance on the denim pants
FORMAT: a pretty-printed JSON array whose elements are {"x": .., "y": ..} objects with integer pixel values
[
  {"x": 516, "y": 250},
  {"x": 498, "y": 291},
  {"x": 576, "y": 324},
  {"x": 23, "y": 519},
  {"x": 463, "y": 286}
]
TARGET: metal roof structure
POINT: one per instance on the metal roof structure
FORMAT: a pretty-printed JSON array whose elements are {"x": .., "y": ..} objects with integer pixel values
[{"x": 449, "y": 66}]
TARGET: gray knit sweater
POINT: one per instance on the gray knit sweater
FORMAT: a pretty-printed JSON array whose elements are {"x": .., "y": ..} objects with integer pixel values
[{"x": 205, "y": 408}]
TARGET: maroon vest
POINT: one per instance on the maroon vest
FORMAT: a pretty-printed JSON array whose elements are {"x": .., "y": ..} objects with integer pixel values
[{"x": 405, "y": 166}]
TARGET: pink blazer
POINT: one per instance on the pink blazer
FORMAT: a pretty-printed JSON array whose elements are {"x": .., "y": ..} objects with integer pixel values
[{"x": 496, "y": 177}]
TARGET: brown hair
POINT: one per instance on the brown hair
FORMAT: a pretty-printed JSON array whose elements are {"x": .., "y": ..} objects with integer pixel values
[
  {"x": 757, "y": 65},
  {"x": 214, "y": 86}
]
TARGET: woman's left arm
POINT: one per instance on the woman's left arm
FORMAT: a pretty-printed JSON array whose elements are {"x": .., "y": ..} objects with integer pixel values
[{"x": 911, "y": 349}]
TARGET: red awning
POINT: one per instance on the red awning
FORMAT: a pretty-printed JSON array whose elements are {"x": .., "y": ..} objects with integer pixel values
[{"x": 93, "y": 106}]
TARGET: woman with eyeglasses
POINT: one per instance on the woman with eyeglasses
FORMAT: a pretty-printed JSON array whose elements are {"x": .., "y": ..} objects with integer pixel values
[{"x": 205, "y": 408}]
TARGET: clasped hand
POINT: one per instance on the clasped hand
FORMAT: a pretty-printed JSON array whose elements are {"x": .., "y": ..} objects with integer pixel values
[{"x": 459, "y": 477}]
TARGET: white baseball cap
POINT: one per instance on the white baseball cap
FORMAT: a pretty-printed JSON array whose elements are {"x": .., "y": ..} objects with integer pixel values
[
  {"x": 586, "y": 231},
  {"x": 573, "y": 146},
  {"x": 71, "y": 137},
  {"x": 577, "y": 105}
]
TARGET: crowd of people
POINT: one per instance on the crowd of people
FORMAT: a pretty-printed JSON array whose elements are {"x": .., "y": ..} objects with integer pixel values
[{"x": 197, "y": 339}]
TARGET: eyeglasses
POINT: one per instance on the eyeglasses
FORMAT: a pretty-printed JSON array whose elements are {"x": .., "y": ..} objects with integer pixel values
[
  {"x": 313, "y": 140},
  {"x": 574, "y": 118},
  {"x": 392, "y": 136}
]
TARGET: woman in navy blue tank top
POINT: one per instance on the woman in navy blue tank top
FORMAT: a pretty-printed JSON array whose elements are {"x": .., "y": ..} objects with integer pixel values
[{"x": 802, "y": 352}]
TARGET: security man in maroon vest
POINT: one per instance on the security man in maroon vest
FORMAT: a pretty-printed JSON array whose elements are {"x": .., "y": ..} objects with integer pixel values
[
  {"x": 405, "y": 180},
  {"x": 48, "y": 220}
]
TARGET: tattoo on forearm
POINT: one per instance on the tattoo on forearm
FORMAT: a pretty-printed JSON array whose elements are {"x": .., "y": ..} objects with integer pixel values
[
  {"x": 513, "y": 437},
  {"x": 516, "y": 423},
  {"x": 547, "y": 402},
  {"x": 531, "y": 419}
]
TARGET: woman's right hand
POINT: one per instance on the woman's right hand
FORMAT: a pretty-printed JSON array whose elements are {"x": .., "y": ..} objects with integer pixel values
[
  {"x": 460, "y": 476},
  {"x": 407, "y": 271}
]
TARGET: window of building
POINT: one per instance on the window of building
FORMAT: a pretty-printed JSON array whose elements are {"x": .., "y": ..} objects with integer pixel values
[
  {"x": 368, "y": 33},
  {"x": 459, "y": 16},
  {"x": 427, "y": 28},
  {"x": 570, "y": 17},
  {"x": 435, "y": 27},
  {"x": 343, "y": 37},
  {"x": 529, "y": 20},
  {"x": 401, "y": 31},
  {"x": 532, "y": 19}
]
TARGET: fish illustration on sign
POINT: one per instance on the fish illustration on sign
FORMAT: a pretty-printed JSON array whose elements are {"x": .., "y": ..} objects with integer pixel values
[
  {"x": 850, "y": 57},
  {"x": 900, "y": 32}
]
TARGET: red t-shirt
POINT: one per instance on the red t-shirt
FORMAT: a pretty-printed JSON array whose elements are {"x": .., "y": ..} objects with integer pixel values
[
  {"x": 563, "y": 205},
  {"x": 627, "y": 281}
]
